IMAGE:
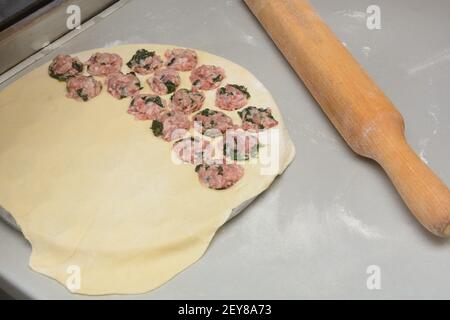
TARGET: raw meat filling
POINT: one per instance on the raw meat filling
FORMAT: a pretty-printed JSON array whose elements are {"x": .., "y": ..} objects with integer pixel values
[
  {"x": 187, "y": 101},
  {"x": 181, "y": 59},
  {"x": 171, "y": 125},
  {"x": 219, "y": 176},
  {"x": 145, "y": 62},
  {"x": 123, "y": 85},
  {"x": 146, "y": 106},
  {"x": 103, "y": 64},
  {"x": 83, "y": 88},
  {"x": 64, "y": 67},
  {"x": 232, "y": 97},
  {"x": 165, "y": 81},
  {"x": 212, "y": 123},
  {"x": 207, "y": 77},
  {"x": 256, "y": 119}
]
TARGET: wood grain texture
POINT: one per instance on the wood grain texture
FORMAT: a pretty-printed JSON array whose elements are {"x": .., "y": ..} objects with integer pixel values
[{"x": 363, "y": 115}]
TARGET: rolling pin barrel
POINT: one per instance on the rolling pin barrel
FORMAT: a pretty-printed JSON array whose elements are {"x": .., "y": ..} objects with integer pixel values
[{"x": 360, "y": 111}]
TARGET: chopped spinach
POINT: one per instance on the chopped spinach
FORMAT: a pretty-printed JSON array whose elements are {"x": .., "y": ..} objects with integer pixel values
[
  {"x": 59, "y": 77},
  {"x": 139, "y": 57},
  {"x": 171, "y": 87},
  {"x": 222, "y": 91},
  {"x": 156, "y": 100},
  {"x": 198, "y": 167},
  {"x": 157, "y": 128},
  {"x": 171, "y": 62},
  {"x": 243, "y": 89},
  {"x": 82, "y": 95},
  {"x": 77, "y": 66},
  {"x": 196, "y": 82},
  {"x": 270, "y": 115},
  {"x": 207, "y": 112},
  {"x": 218, "y": 78},
  {"x": 246, "y": 114}
]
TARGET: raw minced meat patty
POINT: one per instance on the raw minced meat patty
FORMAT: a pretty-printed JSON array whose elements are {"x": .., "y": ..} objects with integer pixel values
[
  {"x": 212, "y": 122},
  {"x": 193, "y": 150},
  {"x": 171, "y": 125},
  {"x": 207, "y": 77},
  {"x": 64, "y": 67},
  {"x": 256, "y": 119},
  {"x": 83, "y": 88},
  {"x": 232, "y": 97},
  {"x": 165, "y": 81},
  {"x": 219, "y": 176},
  {"x": 103, "y": 64},
  {"x": 123, "y": 85},
  {"x": 181, "y": 59},
  {"x": 146, "y": 106},
  {"x": 187, "y": 101},
  {"x": 145, "y": 62},
  {"x": 240, "y": 145}
]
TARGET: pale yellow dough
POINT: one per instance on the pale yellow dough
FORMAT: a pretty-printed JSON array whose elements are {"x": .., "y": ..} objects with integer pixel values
[{"x": 91, "y": 187}]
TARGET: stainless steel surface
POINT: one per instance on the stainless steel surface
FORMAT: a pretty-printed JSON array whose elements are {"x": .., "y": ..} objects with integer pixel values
[
  {"x": 332, "y": 214},
  {"x": 8, "y": 218},
  {"x": 41, "y": 28},
  {"x": 12, "y": 12}
]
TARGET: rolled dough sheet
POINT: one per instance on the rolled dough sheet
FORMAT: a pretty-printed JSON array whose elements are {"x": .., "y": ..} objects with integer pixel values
[{"x": 97, "y": 195}]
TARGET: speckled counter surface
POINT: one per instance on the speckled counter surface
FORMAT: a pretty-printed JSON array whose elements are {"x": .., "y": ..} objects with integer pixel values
[{"x": 333, "y": 214}]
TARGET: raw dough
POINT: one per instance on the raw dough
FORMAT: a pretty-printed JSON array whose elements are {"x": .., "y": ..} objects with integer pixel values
[{"x": 91, "y": 187}]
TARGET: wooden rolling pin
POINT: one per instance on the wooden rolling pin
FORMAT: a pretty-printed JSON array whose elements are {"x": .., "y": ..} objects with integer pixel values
[{"x": 356, "y": 106}]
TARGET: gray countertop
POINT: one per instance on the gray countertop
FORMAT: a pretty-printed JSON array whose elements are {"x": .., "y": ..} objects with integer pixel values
[{"x": 332, "y": 214}]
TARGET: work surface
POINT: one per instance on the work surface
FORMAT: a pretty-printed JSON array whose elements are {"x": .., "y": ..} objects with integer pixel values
[{"x": 333, "y": 214}]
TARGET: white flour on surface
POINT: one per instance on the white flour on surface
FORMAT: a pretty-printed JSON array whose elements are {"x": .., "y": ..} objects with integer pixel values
[
  {"x": 357, "y": 15},
  {"x": 423, "y": 142},
  {"x": 366, "y": 51},
  {"x": 441, "y": 57}
]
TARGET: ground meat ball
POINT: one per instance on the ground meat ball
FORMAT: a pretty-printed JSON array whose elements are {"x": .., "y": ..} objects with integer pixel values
[
  {"x": 240, "y": 145},
  {"x": 256, "y": 119},
  {"x": 232, "y": 97},
  {"x": 145, "y": 62},
  {"x": 123, "y": 85},
  {"x": 219, "y": 176},
  {"x": 212, "y": 123},
  {"x": 171, "y": 125},
  {"x": 103, "y": 64},
  {"x": 64, "y": 67},
  {"x": 207, "y": 77},
  {"x": 187, "y": 101},
  {"x": 83, "y": 88},
  {"x": 193, "y": 150},
  {"x": 146, "y": 107},
  {"x": 181, "y": 59},
  {"x": 165, "y": 81}
]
